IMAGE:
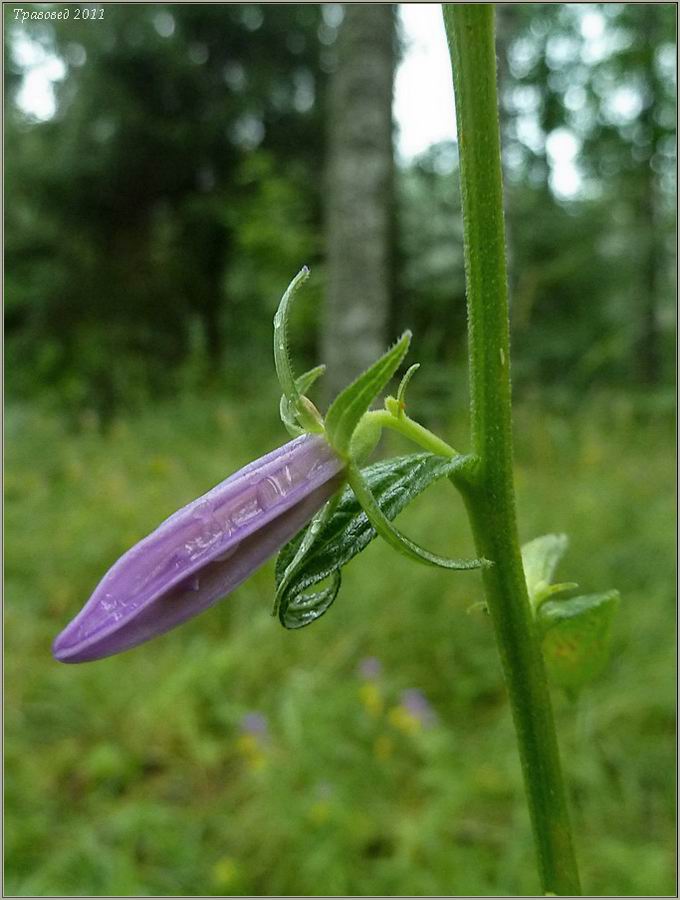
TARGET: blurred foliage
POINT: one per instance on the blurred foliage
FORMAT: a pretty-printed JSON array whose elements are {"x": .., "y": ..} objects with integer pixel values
[
  {"x": 233, "y": 757},
  {"x": 153, "y": 221},
  {"x": 161, "y": 208},
  {"x": 592, "y": 255},
  {"x": 597, "y": 83}
]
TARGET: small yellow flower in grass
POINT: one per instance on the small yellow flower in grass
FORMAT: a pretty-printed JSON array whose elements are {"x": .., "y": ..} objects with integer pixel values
[
  {"x": 257, "y": 762},
  {"x": 247, "y": 744},
  {"x": 319, "y": 812},
  {"x": 225, "y": 872},
  {"x": 413, "y": 713},
  {"x": 371, "y": 698},
  {"x": 369, "y": 670},
  {"x": 403, "y": 720}
]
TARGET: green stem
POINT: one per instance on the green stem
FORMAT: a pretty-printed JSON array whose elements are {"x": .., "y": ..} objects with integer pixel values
[
  {"x": 489, "y": 495},
  {"x": 381, "y": 418}
]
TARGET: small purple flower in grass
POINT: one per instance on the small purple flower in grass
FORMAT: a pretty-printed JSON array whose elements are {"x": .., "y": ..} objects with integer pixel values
[
  {"x": 254, "y": 723},
  {"x": 370, "y": 668},
  {"x": 204, "y": 551},
  {"x": 417, "y": 704}
]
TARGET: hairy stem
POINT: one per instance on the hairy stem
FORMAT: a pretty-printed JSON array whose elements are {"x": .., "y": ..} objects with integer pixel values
[{"x": 489, "y": 495}]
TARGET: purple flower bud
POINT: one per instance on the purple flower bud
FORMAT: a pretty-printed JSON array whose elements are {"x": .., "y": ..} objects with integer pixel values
[{"x": 203, "y": 551}]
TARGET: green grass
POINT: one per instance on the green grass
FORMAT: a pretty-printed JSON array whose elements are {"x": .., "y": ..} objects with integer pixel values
[{"x": 131, "y": 775}]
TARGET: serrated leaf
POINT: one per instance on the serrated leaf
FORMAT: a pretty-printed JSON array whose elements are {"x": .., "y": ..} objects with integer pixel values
[
  {"x": 398, "y": 541},
  {"x": 394, "y": 483},
  {"x": 576, "y": 634},
  {"x": 349, "y": 406},
  {"x": 540, "y": 558}
]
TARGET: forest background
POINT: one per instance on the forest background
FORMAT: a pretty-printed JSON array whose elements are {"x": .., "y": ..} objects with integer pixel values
[{"x": 196, "y": 157}]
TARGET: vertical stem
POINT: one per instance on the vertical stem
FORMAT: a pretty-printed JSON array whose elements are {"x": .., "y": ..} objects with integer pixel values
[{"x": 490, "y": 495}]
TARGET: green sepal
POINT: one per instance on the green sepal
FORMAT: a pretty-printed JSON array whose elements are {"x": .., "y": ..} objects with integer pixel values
[
  {"x": 351, "y": 403},
  {"x": 394, "y": 483},
  {"x": 284, "y": 369},
  {"x": 295, "y": 404},
  {"x": 575, "y": 637},
  {"x": 401, "y": 392},
  {"x": 396, "y": 405},
  {"x": 286, "y": 408}
]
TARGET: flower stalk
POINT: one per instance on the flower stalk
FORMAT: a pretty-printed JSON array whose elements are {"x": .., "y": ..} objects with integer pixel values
[{"x": 489, "y": 491}]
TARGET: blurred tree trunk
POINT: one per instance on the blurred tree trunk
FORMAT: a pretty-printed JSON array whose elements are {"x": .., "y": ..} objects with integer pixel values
[{"x": 359, "y": 193}]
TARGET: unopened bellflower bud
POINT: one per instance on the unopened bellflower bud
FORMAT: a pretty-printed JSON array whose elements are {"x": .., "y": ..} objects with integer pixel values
[{"x": 204, "y": 551}]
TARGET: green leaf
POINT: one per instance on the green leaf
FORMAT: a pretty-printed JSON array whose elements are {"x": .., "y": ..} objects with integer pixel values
[
  {"x": 308, "y": 537},
  {"x": 293, "y": 405},
  {"x": 394, "y": 483},
  {"x": 540, "y": 558},
  {"x": 574, "y": 630},
  {"x": 393, "y": 536},
  {"x": 351, "y": 403},
  {"x": 576, "y": 634}
]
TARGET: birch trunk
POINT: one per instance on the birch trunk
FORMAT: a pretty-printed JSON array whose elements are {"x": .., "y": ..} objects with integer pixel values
[{"x": 360, "y": 194}]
